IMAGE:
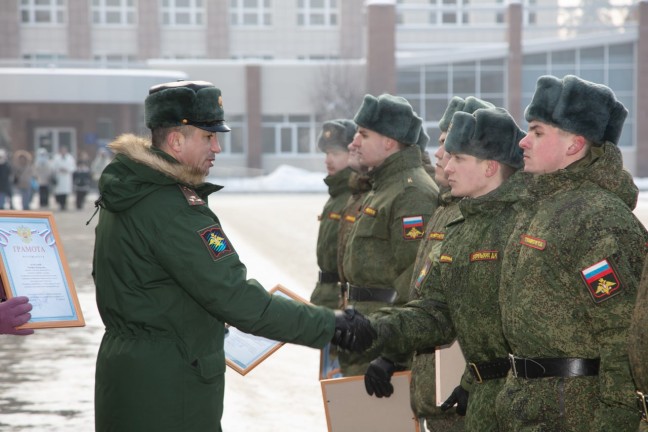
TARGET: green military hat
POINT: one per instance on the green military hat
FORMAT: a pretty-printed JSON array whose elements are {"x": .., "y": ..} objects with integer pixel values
[
  {"x": 488, "y": 133},
  {"x": 194, "y": 103},
  {"x": 336, "y": 133},
  {"x": 423, "y": 140},
  {"x": 578, "y": 106},
  {"x": 391, "y": 116},
  {"x": 469, "y": 105}
]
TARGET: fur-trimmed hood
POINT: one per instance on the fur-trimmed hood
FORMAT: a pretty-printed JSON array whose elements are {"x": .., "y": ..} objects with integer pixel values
[{"x": 139, "y": 169}]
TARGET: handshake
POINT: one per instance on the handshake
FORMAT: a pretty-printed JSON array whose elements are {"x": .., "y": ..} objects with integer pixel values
[{"x": 353, "y": 331}]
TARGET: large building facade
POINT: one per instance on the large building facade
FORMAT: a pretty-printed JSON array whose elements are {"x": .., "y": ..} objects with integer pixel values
[{"x": 76, "y": 72}]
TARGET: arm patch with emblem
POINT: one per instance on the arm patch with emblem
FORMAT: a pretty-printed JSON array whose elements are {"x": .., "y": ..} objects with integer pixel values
[
  {"x": 216, "y": 242},
  {"x": 601, "y": 280}
]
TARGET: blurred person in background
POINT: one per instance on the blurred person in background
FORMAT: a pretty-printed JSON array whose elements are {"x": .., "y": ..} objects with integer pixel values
[
  {"x": 81, "y": 179},
  {"x": 63, "y": 166},
  {"x": 24, "y": 177},
  {"x": 5, "y": 179},
  {"x": 44, "y": 173}
]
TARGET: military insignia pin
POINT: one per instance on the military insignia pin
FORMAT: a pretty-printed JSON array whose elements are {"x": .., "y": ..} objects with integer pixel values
[
  {"x": 216, "y": 242},
  {"x": 413, "y": 227},
  {"x": 601, "y": 280}
]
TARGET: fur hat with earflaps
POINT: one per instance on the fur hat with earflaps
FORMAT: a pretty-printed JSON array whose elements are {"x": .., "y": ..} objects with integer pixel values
[
  {"x": 488, "y": 133},
  {"x": 391, "y": 116},
  {"x": 336, "y": 134},
  {"x": 469, "y": 105},
  {"x": 578, "y": 106}
]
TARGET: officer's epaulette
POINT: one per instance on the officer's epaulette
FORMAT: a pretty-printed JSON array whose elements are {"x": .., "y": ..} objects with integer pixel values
[{"x": 191, "y": 196}]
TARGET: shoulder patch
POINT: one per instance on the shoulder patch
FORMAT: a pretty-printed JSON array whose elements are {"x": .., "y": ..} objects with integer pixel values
[
  {"x": 216, "y": 242},
  {"x": 601, "y": 280},
  {"x": 532, "y": 242},
  {"x": 191, "y": 196},
  {"x": 486, "y": 255},
  {"x": 413, "y": 227}
]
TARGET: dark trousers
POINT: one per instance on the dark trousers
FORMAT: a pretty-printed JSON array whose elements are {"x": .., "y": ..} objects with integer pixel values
[
  {"x": 43, "y": 195},
  {"x": 80, "y": 199},
  {"x": 62, "y": 201}
]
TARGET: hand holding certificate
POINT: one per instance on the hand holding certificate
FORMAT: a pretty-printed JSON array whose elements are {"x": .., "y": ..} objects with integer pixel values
[{"x": 33, "y": 265}]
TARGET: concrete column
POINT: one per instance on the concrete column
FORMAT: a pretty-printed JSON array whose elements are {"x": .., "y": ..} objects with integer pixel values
[
  {"x": 381, "y": 48},
  {"x": 217, "y": 33},
  {"x": 148, "y": 29},
  {"x": 641, "y": 89},
  {"x": 79, "y": 37},
  {"x": 253, "y": 110},
  {"x": 351, "y": 20},
  {"x": 9, "y": 30},
  {"x": 514, "y": 72}
]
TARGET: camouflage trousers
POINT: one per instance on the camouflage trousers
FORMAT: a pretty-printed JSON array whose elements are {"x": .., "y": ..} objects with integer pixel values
[
  {"x": 326, "y": 294},
  {"x": 560, "y": 405}
]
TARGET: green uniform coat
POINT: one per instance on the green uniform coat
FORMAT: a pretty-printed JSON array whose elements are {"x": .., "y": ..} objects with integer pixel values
[
  {"x": 328, "y": 293},
  {"x": 167, "y": 281},
  {"x": 638, "y": 341},
  {"x": 382, "y": 246},
  {"x": 460, "y": 295},
  {"x": 567, "y": 222},
  {"x": 423, "y": 378}
]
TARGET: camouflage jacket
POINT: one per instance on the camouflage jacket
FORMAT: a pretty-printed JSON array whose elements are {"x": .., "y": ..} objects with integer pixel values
[
  {"x": 638, "y": 342},
  {"x": 327, "y": 293},
  {"x": 571, "y": 270},
  {"x": 384, "y": 239},
  {"x": 359, "y": 186},
  {"x": 338, "y": 188}
]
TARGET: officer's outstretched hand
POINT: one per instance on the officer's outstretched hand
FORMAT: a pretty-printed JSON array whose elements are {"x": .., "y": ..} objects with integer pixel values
[
  {"x": 458, "y": 397},
  {"x": 13, "y": 313},
  {"x": 353, "y": 331},
  {"x": 378, "y": 377}
]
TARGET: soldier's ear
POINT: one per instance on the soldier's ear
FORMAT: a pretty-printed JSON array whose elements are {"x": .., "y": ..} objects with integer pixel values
[{"x": 492, "y": 167}]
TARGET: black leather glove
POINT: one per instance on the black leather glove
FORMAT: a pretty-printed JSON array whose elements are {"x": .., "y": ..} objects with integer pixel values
[
  {"x": 378, "y": 377},
  {"x": 458, "y": 397},
  {"x": 353, "y": 331}
]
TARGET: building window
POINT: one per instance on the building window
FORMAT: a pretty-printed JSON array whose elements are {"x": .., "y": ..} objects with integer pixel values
[
  {"x": 317, "y": 13},
  {"x": 529, "y": 15},
  {"x": 233, "y": 142},
  {"x": 251, "y": 13},
  {"x": 288, "y": 134},
  {"x": 449, "y": 12},
  {"x": 113, "y": 12},
  {"x": 183, "y": 13},
  {"x": 42, "y": 11}
]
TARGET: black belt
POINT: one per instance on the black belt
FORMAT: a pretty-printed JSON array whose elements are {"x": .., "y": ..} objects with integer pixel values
[
  {"x": 484, "y": 371},
  {"x": 328, "y": 277},
  {"x": 642, "y": 402},
  {"x": 385, "y": 295},
  {"x": 553, "y": 367}
]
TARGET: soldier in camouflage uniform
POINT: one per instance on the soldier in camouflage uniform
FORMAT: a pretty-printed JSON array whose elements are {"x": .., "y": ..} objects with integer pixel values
[
  {"x": 638, "y": 347},
  {"x": 379, "y": 256},
  {"x": 336, "y": 135},
  {"x": 423, "y": 379},
  {"x": 459, "y": 284},
  {"x": 333, "y": 140},
  {"x": 571, "y": 268}
]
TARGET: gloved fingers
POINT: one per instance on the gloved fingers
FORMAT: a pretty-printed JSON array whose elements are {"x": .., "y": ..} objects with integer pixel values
[
  {"x": 449, "y": 403},
  {"x": 21, "y": 308},
  {"x": 369, "y": 385},
  {"x": 22, "y": 332},
  {"x": 21, "y": 319}
]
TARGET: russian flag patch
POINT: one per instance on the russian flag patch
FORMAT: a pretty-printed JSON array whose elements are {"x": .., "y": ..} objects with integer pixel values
[
  {"x": 413, "y": 227},
  {"x": 601, "y": 280}
]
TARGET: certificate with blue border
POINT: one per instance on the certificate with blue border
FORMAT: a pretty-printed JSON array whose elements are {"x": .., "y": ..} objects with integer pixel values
[
  {"x": 33, "y": 265},
  {"x": 244, "y": 351}
]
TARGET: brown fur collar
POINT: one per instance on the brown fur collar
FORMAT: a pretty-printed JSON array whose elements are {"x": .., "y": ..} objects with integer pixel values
[{"x": 139, "y": 150}]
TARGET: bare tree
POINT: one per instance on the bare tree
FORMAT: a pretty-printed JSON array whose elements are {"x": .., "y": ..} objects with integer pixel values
[{"x": 339, "y": 92}]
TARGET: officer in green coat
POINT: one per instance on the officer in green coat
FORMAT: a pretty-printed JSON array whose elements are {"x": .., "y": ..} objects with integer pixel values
[
  {"x": 168, "y": 278},
  {"x": 571, "y": 267},
  {"x": 380, "y": 253},
  {"x": 334, "y": 139}
]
